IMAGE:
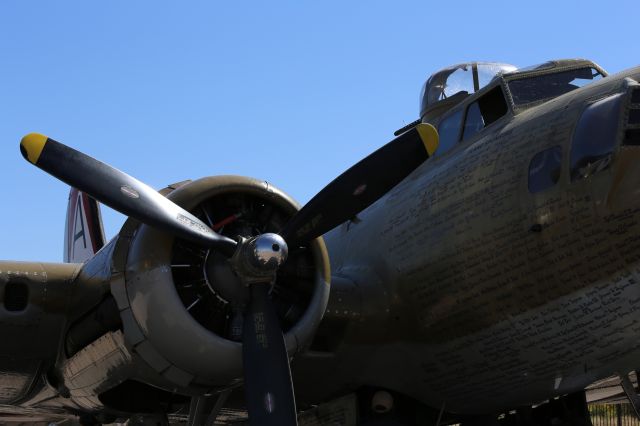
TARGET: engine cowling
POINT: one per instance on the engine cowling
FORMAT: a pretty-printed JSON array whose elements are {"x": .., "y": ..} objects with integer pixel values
[{"x": 182, "y": 304}]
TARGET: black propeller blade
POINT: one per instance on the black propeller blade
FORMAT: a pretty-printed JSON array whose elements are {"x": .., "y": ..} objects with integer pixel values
[
  {"x": 362, "y": 185},
  {"x": 119, "y": 191},
  {"x": 268, "y": 388}
]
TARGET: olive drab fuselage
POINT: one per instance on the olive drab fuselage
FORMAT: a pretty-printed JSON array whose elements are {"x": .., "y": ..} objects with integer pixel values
[{"x": 467, "y": 289}]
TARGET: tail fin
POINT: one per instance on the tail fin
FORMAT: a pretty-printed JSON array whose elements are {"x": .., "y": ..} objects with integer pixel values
[{"x": 83, "y": 233}]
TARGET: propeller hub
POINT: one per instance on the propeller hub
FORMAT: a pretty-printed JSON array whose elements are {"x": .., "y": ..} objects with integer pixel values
[
  {"x": 257, "y": 259},
  {"x": 267, "y": 251}
]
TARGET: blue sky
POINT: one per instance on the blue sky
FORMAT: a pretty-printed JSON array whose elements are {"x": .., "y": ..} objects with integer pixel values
[{"x": 292, "y": 92}]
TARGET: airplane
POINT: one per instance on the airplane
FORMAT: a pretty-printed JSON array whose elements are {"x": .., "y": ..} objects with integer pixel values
[{"x": 481, "y": 268}]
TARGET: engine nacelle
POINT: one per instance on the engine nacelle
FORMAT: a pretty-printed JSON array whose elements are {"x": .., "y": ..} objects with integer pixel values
[{"x": 182, "y": 304}]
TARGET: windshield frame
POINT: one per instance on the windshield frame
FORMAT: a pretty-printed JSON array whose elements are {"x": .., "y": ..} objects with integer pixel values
[{"x": 560, "y": 67}]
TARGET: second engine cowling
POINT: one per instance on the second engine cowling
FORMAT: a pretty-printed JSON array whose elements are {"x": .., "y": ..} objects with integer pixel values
[{"x": 182, "y": 306}]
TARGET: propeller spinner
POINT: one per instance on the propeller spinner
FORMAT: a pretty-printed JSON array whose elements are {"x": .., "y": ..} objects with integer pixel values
[{"x": 268, "y": 387}]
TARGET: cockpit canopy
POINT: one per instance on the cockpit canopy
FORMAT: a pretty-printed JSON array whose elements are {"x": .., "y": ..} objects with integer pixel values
[{"x": 469, "y": 77}]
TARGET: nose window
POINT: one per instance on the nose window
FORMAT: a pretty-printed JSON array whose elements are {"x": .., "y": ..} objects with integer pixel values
[
  {"x": 544, "y": 169},
  {"x": 595, "y": 137}
]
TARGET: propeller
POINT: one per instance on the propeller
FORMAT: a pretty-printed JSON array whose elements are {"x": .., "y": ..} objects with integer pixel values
[
  {"x": 119, "y": 191},
  {"x": 267, "y": 375},
  {"x": 268, "y": 387},
  {"x": 362, "y": 185}
]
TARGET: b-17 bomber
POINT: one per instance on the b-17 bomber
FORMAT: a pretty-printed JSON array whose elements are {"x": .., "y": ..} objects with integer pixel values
[{"x": 482, "y": 267}]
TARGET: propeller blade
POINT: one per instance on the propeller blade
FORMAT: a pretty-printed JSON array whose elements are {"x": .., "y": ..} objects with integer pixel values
[
  {"x": 267, "y": 376},
  {"x": 119, "y": 191},
  {"x": 362, "y": 185}
]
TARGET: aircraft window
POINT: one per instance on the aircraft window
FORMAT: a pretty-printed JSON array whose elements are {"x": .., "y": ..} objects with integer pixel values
[
  {"x": 16, "y": 296},
  {"x": 484, "y": 111},
  {"x": 462, "y": 78},
  {"x": 548, "y": 86},
  {"x": 487, "y": 72},
  {"x": 474, "y": 122},
  {"x": 449, "y": 132},
  {"x": 544, "y": 169},
  {"x": 595, "y": 137}
]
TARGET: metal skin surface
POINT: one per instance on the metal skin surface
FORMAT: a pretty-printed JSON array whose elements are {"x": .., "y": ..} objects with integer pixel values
[
  {"x": 459, "y": 288},
  {"x": 491, "y": 297},
  {"x": 30, "y": 336}
]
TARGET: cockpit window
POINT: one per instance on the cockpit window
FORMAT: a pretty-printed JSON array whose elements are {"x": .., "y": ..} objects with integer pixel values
[
  {"x": 489, "y": 108},
  {"x": 451, "y": 82},
  {"x": 466, "y": 78},
  {"x": 449, "y": 132},
  {"x": 548, "y": 86}
]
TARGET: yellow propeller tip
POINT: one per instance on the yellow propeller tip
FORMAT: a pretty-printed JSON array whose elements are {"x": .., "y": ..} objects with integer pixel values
[
  {"x": 31, "y": 146},
  {"x": 429, "y": 136}
]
